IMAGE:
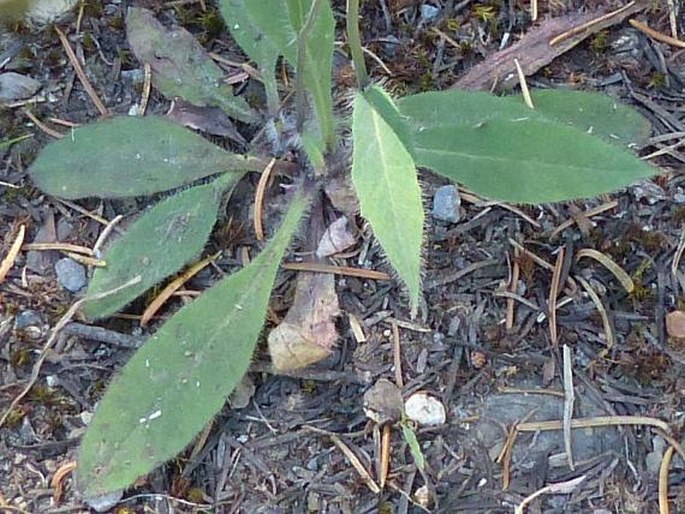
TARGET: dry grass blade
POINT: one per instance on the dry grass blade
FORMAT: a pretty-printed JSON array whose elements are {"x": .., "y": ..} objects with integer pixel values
[
  {"x": 587, "y": 214},
  {"x": 357, "y": 465},
  {"x": 569, "y": 400},
  {"x": 43, "y": 126},
  {"x": 505, "y": 457},
  {"x": 470, "y": 197},
  {"x": 609, "y": 264},
  {"x": 81, "y": 74},
  {"x": 558, "y": 488},
  {"x": 259, "y": 200},
  {"x": 677, "y": 256},
  {"x": 525, "y": 92},
  {"x": 540, "y": 261},
  {"x": 608, "y": 330},
  {"x": 663, "y": 480},
  {"x": 554, "y": 294},
  {"x": 57, "y": 481},
  {"x": 85, "y": 260},
  {"x": 147, "y": 83},
  {"x": 337, "y": 270},
  {"x": 62, "y": 247},
  {"x": 643, "y": 27},
  {"x": 174, "y": 286},
  {"x": 8, "y": 261},
  {"x": 598, "y": 421},
  {"x": 105, "y": 233}
]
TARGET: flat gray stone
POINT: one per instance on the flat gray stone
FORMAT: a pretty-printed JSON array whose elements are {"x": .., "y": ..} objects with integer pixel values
[
  {"x": 446, "y": 203},
  {"x": 71, "y": 275}
]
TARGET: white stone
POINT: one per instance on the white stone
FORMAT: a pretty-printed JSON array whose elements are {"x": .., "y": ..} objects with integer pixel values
[{"x": 425, "y": 409}]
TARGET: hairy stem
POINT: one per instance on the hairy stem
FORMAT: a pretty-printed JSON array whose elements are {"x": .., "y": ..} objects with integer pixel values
[{"x": 355, "y": 42}]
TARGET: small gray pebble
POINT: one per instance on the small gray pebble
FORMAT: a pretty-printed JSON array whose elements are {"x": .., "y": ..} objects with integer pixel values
[
  {"x": 429, "y": 12},
  {"x": 71, "y": 275},
  {"x": 679, "y": 198},
  {"x": 446, "y": 202}
]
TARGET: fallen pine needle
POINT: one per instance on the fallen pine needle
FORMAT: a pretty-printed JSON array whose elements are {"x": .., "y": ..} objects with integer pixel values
[
  {"x": 174, "y": 286},
  {"x": 259, "y": 200},
  {"x": 8, "y": 261},
  {"x": 609, "y": 264},
  {"x": 337, "y": 270},
  {"x": 663, "y": 480},
  {"x": 57, "y": 481},
  {"x": 643, "y": 27},
  {"x": 62, "y": 247},
  {"x": 608, "y": 331}
]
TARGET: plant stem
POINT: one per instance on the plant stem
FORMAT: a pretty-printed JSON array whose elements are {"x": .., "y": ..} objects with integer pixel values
[{"x": 355, "y": 42}]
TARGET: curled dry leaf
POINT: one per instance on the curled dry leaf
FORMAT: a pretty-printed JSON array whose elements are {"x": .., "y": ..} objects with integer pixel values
[
  {"x": 307, "y": 332},
  {"x": 338, "y": 237}
]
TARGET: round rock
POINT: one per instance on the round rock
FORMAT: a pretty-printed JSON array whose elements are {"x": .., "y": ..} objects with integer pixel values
[{"x": 424, "y": 409}]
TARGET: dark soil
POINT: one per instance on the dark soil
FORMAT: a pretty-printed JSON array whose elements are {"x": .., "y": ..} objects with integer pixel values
[{"x": 481, "y": 343}]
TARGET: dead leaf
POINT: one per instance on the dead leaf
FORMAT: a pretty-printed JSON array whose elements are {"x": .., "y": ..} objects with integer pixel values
[
  {"x": 307, "y": 333},
  {"x": 338, "y": 237},
  {"x": 211, "y": 120},
  {"x": 180, "y": 65}
]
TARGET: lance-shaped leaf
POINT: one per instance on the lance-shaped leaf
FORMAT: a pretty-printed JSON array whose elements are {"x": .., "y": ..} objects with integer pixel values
[
  {"x": 159, "y": 243},
  {"x": 181, "y": 66},
  {"x": 182, "y": 375},
  {"x": 527, "y": 160},
  {"x": 597, "y": 114},
  {"x": 130, "y": 156},
  {"x": 502, "y": 149},
  {"x": 315, "y": 60},
  {"x": 384, "y": 177}
]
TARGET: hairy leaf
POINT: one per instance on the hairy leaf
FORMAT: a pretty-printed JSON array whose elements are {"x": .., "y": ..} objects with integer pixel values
[
  {"x": 502, "y": 149},
  {"x": 159, "y": 243},
  {"x": 596, "y": 114},
  {"x": 527, "y": 160},
  {"x": 181, "y": 66},
  {"x": 182, "y": 375},
  {"x": 384, "y": 105},
  {"x": 456, "y": 107},
  {"x": 130, "y": 156},
  {"x": 384, "y": 176},
  {"x": 316, "y": 49}
]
